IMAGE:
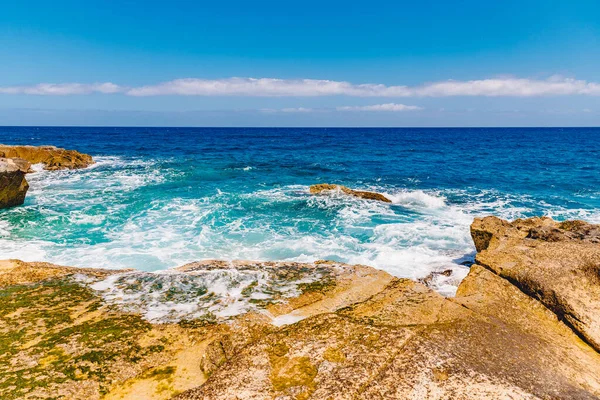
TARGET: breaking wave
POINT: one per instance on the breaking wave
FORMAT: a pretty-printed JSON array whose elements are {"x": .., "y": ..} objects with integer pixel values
[{"x": 154, "y": 214}]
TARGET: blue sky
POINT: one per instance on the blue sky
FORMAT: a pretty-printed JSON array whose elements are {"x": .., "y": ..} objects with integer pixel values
[{"x": 300, "y": 63}]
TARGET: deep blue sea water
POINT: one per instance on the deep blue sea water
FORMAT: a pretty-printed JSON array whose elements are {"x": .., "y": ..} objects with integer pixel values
[{"x": 160, "y": 197}]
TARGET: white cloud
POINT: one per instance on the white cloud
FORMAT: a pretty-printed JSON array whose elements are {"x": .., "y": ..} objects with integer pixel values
[
  {"x": 515, "y": 87},
  {"x": 63, "y": 89},
  {"x": 255, "y": 87},
  {"x": 554, "y": 86},
  {"x": 268, "y": 87},
  {"x": 297, "y": 110},
  {"x": 381, "y": 107}
]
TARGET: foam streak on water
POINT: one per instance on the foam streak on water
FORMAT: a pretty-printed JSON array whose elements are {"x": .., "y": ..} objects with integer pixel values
[{"x": 244, "y": 195}]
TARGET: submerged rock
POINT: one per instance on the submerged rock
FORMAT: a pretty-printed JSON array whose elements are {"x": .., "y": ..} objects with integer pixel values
[
  {"x": 53, "y": 158},
  {"x": 324, "y": 187},
  {"x": 13, "y": 185}
]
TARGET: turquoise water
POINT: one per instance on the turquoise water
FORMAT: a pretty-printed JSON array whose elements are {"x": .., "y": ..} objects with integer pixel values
[{"x": 158, "y": 198}]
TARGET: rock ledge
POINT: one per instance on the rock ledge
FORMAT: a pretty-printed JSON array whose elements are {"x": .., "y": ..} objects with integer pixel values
[{"x": 53, "y": 158}]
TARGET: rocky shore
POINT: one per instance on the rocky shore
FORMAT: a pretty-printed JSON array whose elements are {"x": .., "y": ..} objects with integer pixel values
[
  {"x": 523, "y": 325},
  {"x": 16, "y": 161}
]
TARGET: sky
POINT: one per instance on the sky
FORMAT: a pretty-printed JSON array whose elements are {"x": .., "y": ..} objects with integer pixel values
[{"x": 300, "y": 63}]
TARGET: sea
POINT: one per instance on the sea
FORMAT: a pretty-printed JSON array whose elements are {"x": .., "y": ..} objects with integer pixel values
[{"x": 158, "y": 198}]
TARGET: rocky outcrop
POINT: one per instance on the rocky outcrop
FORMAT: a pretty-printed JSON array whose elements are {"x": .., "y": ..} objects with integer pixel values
[
  {"x": 557, "y": 263},
  {"x": 516, "y": 328},
  {"x": 325, "y": 187},
  {"x": 13, "y": 185},
  {"x": 408, "y": 342},
  {"x": 53, "y": 158},
  {"x": 61, "y": 338},
  {"x": 15, "y": 162}
]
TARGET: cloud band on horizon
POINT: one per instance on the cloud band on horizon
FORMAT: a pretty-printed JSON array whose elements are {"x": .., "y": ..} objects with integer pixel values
[{"x": 269, "y": 87}]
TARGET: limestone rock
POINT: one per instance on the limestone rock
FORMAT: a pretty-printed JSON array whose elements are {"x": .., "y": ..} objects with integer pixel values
[
  {"x": 556, "y": 263},
  {"x": 353, "y": 333},
  {"x": 13, "y": 185},
  {"x": 72, "y": 343},
  {"x": 324, "y": 187},
  {"x": 408, "y": 342},
  {"x": 53, "y": 158}
]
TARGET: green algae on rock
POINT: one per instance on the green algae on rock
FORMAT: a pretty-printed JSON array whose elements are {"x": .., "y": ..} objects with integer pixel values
[{"x": 60, "y": 337}]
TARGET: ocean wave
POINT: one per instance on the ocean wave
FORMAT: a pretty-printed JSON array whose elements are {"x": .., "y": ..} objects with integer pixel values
[
  {"x": 417, "y": 199},
  {"x": 116, "y": 215}
]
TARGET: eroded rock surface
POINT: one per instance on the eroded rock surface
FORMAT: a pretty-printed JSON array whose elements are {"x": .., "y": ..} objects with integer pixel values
[
  {"x": 557, "y": 263},
  {"x": 408, "y": 342},
  {"x": 320, "y": 330},
  {"x": 60, "y": 337},
  {"x": 53, "y": 158},
  {"x": 325, "y": 187},
  {"x": 13, "y": 185}
]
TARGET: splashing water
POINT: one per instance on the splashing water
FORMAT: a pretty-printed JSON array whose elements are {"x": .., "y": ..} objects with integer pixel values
[
  {"x": 160, "y": 198},
  {"x": 207, "y": 292}
]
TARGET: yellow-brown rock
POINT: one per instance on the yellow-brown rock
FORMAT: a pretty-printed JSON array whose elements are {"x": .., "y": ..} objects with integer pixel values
[
  {"x": 353, "y": 333},
  {"x": 59, "y": 338},
  {"x": 407, "y": 342},
  {"x": 556, "y": 263},
  {"x": 13, "y": 185},
  {"x": 325, "y": 187},
  {"x": 53, "y": 158}
]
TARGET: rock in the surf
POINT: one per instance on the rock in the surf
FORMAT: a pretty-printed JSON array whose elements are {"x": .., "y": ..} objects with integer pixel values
[
  {"x": 325, "y": 187},
  {"x": 13, "y": 185},
  {"x": 53, "y": 158}
]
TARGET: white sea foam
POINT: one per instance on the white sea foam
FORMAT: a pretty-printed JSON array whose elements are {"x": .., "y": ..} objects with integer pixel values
[
  {"x": 417, "y": 199},
  {"x": 210, "y": 294},
  {"x": 421, "y": 232}
]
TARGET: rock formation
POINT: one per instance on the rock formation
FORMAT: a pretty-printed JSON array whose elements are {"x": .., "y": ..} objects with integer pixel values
[
  {"x": 523, "y": 325},
  {"x": 53, "y": 158},
  {"x": 15, "y": 162},
  {"x": 13, "y": 185},
  {"x": 324, "y": 187},
  {"x": 555, "y": 263}
]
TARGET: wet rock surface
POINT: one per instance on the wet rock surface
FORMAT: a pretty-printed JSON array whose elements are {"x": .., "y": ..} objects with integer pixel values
[
  {"x": 491, "y": 341},
  {"x": 325, "y": 187}
]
